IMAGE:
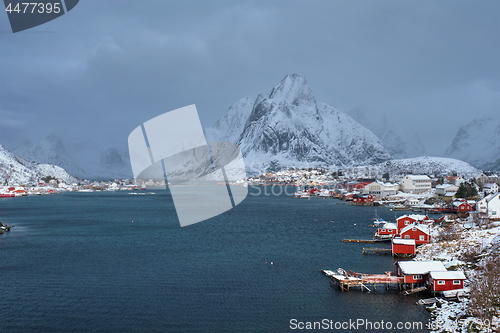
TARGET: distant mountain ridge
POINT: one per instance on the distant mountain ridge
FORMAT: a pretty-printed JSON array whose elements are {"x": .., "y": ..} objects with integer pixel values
[
  {"x": 289, "y": 128},
  {"x": 478, "y": 143},
  {"x": 87, "y": 161},
  {"x": 402, "y": 145},
  {"x": 17, "y": 170}
]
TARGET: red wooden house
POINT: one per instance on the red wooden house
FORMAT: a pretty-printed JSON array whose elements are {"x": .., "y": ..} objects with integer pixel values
[
  {"x": 445, "y": 281},
  {"x": 403, "y": 246},
  {"x": 348, "y": 197},
  {"x": 406, "y": 220},
  {"x": 421, "y": 233},
  {"x": 388, "y": 230},
  {"x": 461, "y": 206},
  {"x": 362, "y": 198},
  {"x": 416, "y": 271}
]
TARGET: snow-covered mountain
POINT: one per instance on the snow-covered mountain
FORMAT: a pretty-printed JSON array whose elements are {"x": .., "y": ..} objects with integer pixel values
[
  {"x": 102, "y": 162},
  {"x": 16, "y": 170},
  {"x": 478, "y": 143},
  {"x": 289, "y": 128},
  {"x": 421, "y": 165},
  {"x": 399, "y": 144},
  {"x": 88, "y": 160},
  {"x": 50, "y": 150}
]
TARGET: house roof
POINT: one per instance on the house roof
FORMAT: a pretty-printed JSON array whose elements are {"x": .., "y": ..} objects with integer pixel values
[
  {"x": 448, "y": 275},
  {"x": 422, "y": 227},
  {"x": 489, "y": 185},
  {"x": 418, "y": 177},
  {"x": 403, "y": 241},
  {"x": 445, "y": 186},
  {"x": 420, "y": 267},
  {"x": 493, "y": 197},
  {"x": 389, "y": 225},
  {"x": 416, "y": 217}
]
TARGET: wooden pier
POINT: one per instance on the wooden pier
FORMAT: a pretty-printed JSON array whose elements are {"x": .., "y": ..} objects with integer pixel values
[
  {"x": 347, "y": 280},
  {"x": 376, "y": 240},
  {"x": 358, "y": 240},
  {"x": 376, "y": 250}
]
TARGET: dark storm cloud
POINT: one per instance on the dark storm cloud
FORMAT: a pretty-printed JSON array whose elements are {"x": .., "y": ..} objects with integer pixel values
[{"x": 108, "y": 66}]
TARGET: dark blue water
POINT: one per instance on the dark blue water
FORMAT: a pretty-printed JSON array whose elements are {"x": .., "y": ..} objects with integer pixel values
[{"x": 75, "y": 262}]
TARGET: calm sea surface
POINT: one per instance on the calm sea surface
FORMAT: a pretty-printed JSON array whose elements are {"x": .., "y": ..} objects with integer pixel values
[{"x": 114, "y": 262}]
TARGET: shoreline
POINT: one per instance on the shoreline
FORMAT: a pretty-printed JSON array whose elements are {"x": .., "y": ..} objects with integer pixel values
[{"x": 473, "y": 248}]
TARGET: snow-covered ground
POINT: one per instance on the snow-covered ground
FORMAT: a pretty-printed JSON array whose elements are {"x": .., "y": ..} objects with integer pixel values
[
  {"x": 16, "y": 170},
  {"x": 424, "y": 165},
  {"x": 467, "y": 241}
]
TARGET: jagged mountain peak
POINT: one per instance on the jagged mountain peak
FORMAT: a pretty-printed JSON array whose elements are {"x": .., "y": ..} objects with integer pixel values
[
  {"x": 292, "y": 89},
  {"x": 477, "y": 143},
  {"x": 289, "y": 128}
]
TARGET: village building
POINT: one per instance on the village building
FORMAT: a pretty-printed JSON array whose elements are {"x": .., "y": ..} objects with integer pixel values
[
  {"x": 416, "y": 271},
  {"x": 455, "y": 180},
  {"x": 439, "y": 281},
  {"x": 381, "y": 189},
  {"x": 411, "y": 202},
  {"x": 415, "y": 184},
  {"x": 489, "y": 206},
  {"x": 405, "y": 220},
  {"x": 421, "y": 233},
  {"x": 490, "y": 188},
  {"x": 388, "y": 230},
  {"x": 403, "y": 247},
  {"x": 446, "y": 188},
  {"x": 460, "y": 205},
  {"x": 362, "y": 198}
]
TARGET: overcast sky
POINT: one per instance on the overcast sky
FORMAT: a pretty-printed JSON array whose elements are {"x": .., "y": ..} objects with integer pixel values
[{"x": 107, "y": 66}]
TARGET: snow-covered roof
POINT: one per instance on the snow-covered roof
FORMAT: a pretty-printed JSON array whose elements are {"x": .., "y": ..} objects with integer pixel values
[
  {"x": 389, "y": 225},
  {"x": 489, "y": 185},
  {"x": 493, "y": 197},
  {"x": 450, "y": 194},
  {"x": 420, "y": 267},
  {"x": 403, "y": 241},
  {"x": 417, "y": 217},
  {"x": 418, "y": 177},
  {"x": 448, "y": 275},
  {"x": 445, "y": 186},
  {"x": 422, "y": 227}
]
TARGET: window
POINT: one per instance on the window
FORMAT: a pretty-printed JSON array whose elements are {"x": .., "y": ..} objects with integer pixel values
[
  {"x": 441, "y": 282},
  {"x": 407, "y": 236},
  {"x": 407, "y": 222},
  {"x": 417, "y": 277},
  {"x": 414, "y": 229},
  {"x": 494, "y": 212},
  {"x": 456, "y": 282},
  {"x": 422, "y": 237},
  {"x": 383, "y": 230}
]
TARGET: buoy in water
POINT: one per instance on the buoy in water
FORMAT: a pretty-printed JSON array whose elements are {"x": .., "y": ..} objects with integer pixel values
[{"x": 271, "y": 262}]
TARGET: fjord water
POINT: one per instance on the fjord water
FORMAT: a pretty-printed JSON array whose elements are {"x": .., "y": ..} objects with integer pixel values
[{"x": 114, "y": 262}]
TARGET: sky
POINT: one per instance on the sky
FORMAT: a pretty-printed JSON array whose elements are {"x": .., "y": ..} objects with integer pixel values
[{"x": 99, "y": 71}]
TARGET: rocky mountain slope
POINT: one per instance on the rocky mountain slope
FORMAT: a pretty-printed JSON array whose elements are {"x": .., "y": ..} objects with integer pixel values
[
  {"x": 423, "y": 165},
  {"x": 289, "y": 128},
  {"x": 478, "y": 143},
  {"x": 16, "y": 170},
  {"x": 87, "y": 160}
]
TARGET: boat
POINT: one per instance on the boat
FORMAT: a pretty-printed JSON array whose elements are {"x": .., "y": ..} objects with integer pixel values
[
  {"x": 377, "y": 220},
  {"x": 7, "y": 195},
  {"x": 86, "y": 190}
]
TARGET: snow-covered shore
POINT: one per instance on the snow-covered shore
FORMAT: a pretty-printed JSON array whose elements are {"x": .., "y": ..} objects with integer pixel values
[{"x": 468, "y": 246}]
